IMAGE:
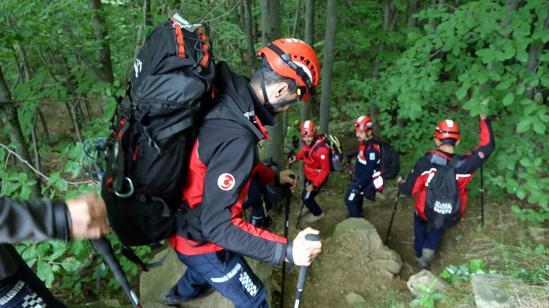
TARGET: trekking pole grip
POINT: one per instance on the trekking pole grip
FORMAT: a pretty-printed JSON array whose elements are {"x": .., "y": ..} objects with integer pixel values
[{"x": 303, "y": 272}]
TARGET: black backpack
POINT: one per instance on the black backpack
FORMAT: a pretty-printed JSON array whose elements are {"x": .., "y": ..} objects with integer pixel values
[
  {"x": 442, "y": 206},
  {"x": 274, "y": 194},
  {"x": 153, "y": 132},
  {"x": 390, "y": 160}
]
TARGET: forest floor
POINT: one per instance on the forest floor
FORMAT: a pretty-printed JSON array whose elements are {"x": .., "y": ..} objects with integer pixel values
[{"x": 505, "y": 244}]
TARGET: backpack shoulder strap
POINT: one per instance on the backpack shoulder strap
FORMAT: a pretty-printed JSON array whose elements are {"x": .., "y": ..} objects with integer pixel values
[
  {"x": 320, "y": 143},
  {"x": 454, "y": 162}
]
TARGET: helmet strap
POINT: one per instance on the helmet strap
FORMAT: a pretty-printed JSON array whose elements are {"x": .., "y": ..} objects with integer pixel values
[{"x": 264, "y": 90}]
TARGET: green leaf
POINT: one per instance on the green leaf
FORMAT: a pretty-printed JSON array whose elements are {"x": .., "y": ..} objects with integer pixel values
[
  {"x": 62, "y": 185},
  {"x": 508, "y": 99},
  {"x": 540, "y": 250},
  {"x": 522, "y": 55},
  {"x": 521, "y": 194},
  {"x": 505, "y": 83},
  {"x": 524, "y": 125},
  {"x": 539, "y": 127},
  {"x": 520, "y": 89},
  {"x": 476, "y": 265},
  {"x": 526, "y": 162},
  {"x": 462, "y": 91}
]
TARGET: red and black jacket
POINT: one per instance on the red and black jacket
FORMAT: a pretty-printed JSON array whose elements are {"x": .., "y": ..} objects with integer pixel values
[
  {"x": 419, "y": 178},
  {"x": 367, "y": 162},
  {"x": 316, "y": 161},
  {"x": 223, "y": 161}
]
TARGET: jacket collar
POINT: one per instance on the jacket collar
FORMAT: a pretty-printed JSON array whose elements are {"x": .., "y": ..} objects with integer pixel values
[{"x": 237, "y": 102}]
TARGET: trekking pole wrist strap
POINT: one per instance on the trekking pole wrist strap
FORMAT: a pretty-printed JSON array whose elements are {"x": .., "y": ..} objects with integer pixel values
[
  {"x": 277, "y": 179},
  {"x": 289, "y": 253}
]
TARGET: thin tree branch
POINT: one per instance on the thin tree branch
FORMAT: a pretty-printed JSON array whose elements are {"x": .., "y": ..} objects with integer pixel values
[
  {"x": 40, "y": 174},
  {"x": 223, "y": 15}
]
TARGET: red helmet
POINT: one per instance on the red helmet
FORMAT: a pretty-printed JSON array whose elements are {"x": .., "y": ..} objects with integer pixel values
[
  {"x": 294, "y": 59},
  {"x": 308, "y": 128},
  {"x": 363, "y": 123},
  {"x": 447, "y": 129}
]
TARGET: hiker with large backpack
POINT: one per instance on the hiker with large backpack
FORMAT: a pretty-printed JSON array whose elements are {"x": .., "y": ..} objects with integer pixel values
[
  {"x": 439, "y": 183},
  {"x": 368, "y": 176},
  {"x": 316, "y": 168},
  {"x": 212, "y": 236}
]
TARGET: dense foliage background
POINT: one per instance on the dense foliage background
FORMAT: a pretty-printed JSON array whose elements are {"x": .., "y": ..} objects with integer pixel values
[{"x": 408, "y": 64}]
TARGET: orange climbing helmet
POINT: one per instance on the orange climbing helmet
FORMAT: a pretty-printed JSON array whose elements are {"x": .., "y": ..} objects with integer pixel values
[
  {"x": 308, "y": 129},
  {"x": 363, "y": 123},
  {"x": 447, "y": 129},
  {"x": 292, "y": 58}
]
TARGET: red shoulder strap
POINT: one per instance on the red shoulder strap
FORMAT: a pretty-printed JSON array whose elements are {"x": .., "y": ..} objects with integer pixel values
[{"x": 179, "y": 38}]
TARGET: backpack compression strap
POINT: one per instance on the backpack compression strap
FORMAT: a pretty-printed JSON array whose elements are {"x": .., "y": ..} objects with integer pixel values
[{"x": 124, "y": 117}]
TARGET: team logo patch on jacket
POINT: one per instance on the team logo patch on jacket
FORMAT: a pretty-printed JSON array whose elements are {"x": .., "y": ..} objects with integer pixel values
[{"x": 225, "y": 181}]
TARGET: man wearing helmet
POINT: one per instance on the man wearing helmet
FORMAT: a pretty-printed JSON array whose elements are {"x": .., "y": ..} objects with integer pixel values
[
  {"x": 316, "y": 167},
  {"x": 213, "y": 236},
  {"x": 446, "y": 138},
  {"x": 367, "y": 178}
]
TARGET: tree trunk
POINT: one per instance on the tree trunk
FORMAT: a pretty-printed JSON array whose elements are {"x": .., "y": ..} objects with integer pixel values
[
  {"x": 534, "y": 52},
  {"x": 104, "y": 52},
  {"x": 248, "y": 30},
  {"x": 74, "y": 120},
  {"x": 436, "y": 21},
  {"x": 309, "y": 39},
  {"x": 270, "y": 20},
  {"x": 412, "y": 9},
  {"x": 20, "y": 56},
  {"x": 327, "y": 65},
  {"x": 141, "y": 32},
  {"x": 43, "y": 121},
  {"x": 10, "y": 120},
  {"x": 37, "y": 163},
  {"x": 296, "y": 15},
  {"x": 512, "y": 6},
  {"x": 270, "y": 25}
]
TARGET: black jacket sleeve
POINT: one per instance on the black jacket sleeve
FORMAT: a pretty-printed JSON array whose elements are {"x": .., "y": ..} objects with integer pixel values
[
  {"x": 227, "y": 173},
  {"x": 407, "y": 188},
  {"x": 33, "y": 220}
]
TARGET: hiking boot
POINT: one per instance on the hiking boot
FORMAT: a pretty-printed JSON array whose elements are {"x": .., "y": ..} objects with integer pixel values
[
  {"x": 262, "y": 222},
  {"x": 170, "y": 298},
  {"x": 427, "y": 255},
  {"x": 267, "y": 222},
  {"x": 421, "y": 263},
  {"x": 257, "y": 221},
  {"x": 312, "y": 218}
]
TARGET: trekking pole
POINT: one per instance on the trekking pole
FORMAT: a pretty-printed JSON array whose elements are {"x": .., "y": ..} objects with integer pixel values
[
  {"x": 286, "y": 223},
  {"x": 392, "y": 216},
  {"x": 103, "y": 246},
  {"x": 307, "y": 194},
  {"x": 481, "y": 196},
  {"x": 303, "y": 273}
]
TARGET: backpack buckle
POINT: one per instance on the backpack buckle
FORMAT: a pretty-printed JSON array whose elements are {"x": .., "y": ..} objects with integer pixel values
[{"x": 126, "y": 194}]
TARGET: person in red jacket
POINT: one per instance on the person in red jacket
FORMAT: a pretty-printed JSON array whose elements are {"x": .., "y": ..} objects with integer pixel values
[
  {"x": 316, "y": 167},
  {"x": 213, "y": 237},
  {"x": 446, "y": 138}
]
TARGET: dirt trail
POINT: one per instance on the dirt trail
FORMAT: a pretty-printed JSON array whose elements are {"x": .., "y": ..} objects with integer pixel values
[{"x": 461, "y": 243}]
